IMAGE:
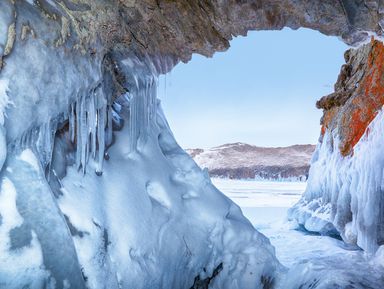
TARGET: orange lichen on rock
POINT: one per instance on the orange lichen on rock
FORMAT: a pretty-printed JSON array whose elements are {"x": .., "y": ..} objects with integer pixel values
[
  {"x": 328, "y": 116},
  {"x": 358, "y": 97},
  {"x": 323, "y": 130},
  {"x": 369, "y": 99}
]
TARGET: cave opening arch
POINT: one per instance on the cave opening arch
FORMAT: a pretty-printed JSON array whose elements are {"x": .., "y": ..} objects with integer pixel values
[{"x": 251, "y": 88}]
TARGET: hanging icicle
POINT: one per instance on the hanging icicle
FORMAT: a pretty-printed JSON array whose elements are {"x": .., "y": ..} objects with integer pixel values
[
  {"x": 87, "y": 124},
  {"x": 142, "y": 106},
  {"x": 92, "y": 119}
]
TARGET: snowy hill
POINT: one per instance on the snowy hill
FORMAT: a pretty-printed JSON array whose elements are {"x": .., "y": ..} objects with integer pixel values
[{"x": 244, "y": 161}]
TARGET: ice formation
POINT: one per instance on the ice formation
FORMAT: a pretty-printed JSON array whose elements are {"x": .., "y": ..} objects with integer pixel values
[
  {"x": 345, "y": 194},
  {"x": 152, "y": 219},
  {"x": 151, "y": 208},
  {"x": 95, "y": 192}
]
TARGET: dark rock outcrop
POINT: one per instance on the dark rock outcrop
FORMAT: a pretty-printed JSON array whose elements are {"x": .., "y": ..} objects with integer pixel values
[{"x": 176, "y": 29}]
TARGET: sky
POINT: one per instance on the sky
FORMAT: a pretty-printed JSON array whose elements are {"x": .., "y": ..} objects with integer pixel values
[{"x": 262, "y": 91}]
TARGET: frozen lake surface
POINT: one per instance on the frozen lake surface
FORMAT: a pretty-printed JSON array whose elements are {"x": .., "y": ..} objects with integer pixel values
[{"x": 266, "y": 204}]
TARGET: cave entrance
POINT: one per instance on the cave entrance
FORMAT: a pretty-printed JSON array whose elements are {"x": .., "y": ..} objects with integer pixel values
[
  {"x": 259, "y": 95},
  {"x": 257, "y": 123},
  {"x": 261, "y": 91}
]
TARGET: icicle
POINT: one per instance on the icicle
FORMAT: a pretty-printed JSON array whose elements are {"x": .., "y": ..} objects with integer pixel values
[
  {"x": 100, "y": 138},
  {"x": 116, "y": 107},
  {"x": 84, "y": 133},
  {"x": 132, "y": 123},
  {"x": 78, "y": 135},
  {"x": 92, "y": 124},
  {"x": 72, "y": 119},
  {"x": 42, "y": 140},
  {"x": 108, "y": 135},
  {"x": 93, "y": 117},
  {"x": 117, "y": 121}
]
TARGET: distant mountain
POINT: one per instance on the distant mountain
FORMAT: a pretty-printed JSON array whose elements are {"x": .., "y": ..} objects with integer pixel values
[{"x": 244, "y": 161}]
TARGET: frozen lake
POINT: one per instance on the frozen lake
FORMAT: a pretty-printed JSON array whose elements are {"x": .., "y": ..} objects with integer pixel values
[
  {"x": 266, "y": 204},
  {"x": 262, "y": 202}
]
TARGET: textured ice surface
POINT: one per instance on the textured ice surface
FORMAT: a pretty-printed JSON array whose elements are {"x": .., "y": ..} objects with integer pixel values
[{"x": 345, "y": 195}]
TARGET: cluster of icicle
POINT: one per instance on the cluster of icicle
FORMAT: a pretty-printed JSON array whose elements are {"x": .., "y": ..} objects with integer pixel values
[
  {"x": 90, "y": 128},
  {"x": 91, "y": 121}
]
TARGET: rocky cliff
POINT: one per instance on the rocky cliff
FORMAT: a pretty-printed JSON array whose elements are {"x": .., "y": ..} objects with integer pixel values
[
  {"x": 345, "y": 187},
  {"x": 244, "y": 161},
  {"x": 176, "y": 29},
  {"x": 358, "y": 96}
]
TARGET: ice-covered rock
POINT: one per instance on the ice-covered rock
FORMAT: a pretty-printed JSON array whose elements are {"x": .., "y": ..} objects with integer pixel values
[{"x": 345, "y": 189}]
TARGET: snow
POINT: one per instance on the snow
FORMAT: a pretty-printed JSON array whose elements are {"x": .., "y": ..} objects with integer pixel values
[
  {"x": 28, "y": 157},
  {"x": 344, "y": 194},
  {"x": 136, "y": 220}
]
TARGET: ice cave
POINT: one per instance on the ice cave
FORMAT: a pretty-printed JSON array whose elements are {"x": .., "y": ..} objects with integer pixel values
[{"x": 96, "y": 192}]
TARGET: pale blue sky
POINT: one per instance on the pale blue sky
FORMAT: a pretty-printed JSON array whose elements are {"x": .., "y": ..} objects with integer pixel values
[{"x": 261, "y": 91}]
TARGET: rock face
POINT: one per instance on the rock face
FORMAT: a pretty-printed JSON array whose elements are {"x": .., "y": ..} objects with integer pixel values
[
  {"x": 176, "y": 29},
  {"x": 358, "y": 96},
  {"x": 244, "y": 161},
  {"x": 346, "y": 181}
]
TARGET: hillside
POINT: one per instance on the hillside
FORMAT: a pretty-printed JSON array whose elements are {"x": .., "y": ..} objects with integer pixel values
[{"x": 244, "y": 161}]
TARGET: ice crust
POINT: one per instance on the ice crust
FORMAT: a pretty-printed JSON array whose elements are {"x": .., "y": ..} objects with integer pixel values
[{"x": 345, "y": 194}]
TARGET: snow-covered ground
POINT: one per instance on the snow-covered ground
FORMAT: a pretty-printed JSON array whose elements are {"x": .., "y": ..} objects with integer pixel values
[{"x": 307, "y": 256}]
